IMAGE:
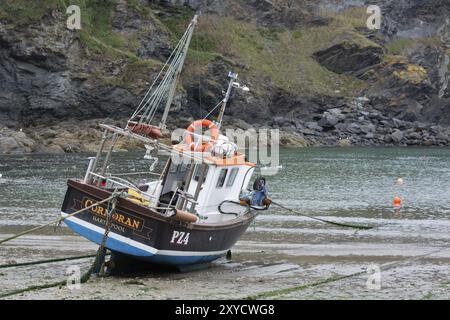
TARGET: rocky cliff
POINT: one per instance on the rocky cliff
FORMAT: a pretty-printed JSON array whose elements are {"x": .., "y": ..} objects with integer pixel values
[{"x": 315, "y": 70}]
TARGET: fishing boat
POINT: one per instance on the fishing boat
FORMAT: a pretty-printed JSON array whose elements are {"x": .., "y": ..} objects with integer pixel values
[{"x": 194, "y": 210}]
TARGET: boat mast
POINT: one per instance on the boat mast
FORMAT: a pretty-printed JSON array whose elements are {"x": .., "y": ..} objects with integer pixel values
[
  {"x": 233, "y": 76},
  {"x": 162, "y": 90},
  {"x": 162, "y": 124}
]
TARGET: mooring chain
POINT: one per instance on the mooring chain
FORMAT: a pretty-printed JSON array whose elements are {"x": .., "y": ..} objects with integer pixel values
[{"x": 98, "y": 265}]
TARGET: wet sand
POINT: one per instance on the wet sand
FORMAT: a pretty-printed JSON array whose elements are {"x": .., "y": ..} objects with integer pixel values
[{"x": 282, "y": 266}]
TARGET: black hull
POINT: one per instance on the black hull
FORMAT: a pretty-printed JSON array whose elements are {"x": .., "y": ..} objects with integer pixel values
[{"x": 145, "y": 234}]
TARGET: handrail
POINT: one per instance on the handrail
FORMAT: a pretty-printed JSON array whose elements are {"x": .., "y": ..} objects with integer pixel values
[
  {"x": 123, "y": 185},
  {"x": 134, "y": 173}
]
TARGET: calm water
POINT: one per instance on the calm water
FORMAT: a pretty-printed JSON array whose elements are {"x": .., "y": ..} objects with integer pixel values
[{"x": 353, "y": 185}]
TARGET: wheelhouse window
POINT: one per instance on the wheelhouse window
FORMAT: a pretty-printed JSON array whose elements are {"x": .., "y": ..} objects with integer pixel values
[
  {"x": 198, "y": 172},
  {"x": 178, "y": 168},
  {"x": 222, "y": 176},
  {"x": 173, "y": 168},
  {"x": 183, "y": 167},
  {"x": 232, "y": 176}
]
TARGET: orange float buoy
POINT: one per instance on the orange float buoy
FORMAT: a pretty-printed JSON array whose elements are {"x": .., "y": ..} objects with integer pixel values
[{"x": 397, "y": 202}]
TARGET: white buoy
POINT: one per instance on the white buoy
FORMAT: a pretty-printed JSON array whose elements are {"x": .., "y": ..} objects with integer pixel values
[{"x": 399, "y": 182}]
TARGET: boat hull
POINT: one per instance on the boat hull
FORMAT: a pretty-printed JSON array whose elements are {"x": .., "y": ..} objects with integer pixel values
[{"x": 142, "y": 233}]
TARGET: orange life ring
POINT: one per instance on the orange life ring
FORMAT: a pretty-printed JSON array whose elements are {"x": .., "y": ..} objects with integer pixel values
[{"x": 189, "y": 140}]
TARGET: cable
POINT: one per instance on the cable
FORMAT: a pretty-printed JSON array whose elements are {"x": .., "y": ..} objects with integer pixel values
[{"x": 323, "y": 220}]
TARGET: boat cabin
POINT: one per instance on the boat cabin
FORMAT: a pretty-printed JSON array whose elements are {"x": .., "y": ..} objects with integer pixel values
[
  {"x": 201, "y": 187},
  {"x": 197, "y": 182}
]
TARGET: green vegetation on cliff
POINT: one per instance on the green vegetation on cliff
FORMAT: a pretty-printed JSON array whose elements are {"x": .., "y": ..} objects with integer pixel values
[
  {"x": 262, "y": 51},
  {"x": 20, "y": 12},
  {"x": 273, "y": 52},
  {"x": 285, "y": 56}
]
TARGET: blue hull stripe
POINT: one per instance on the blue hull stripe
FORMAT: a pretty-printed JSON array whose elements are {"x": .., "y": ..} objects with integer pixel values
[{"x": 126, "y": 248}]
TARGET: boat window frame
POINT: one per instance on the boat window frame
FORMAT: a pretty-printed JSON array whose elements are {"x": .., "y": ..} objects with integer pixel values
[
  {"x": 198, "y": 172},
  {"x": 174, "y": 168},
  {"x": 182, "y": 167},
  {"x": 231, "y": 176},
  {"x": 220, "y": 184}
]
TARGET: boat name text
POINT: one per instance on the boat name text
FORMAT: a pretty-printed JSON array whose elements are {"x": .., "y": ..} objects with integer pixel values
[{"x": 117, "y": 217}]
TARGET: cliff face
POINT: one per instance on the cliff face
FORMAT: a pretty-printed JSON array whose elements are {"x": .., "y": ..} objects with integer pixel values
[{"x": 315, "y": 70}]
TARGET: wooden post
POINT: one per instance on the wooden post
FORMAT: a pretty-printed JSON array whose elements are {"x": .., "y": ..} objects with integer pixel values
[
  {"x": 99, "y": 153},
  {"x": 108, "y": 155}
]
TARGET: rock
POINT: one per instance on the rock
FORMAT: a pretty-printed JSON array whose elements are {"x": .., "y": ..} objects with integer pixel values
[
  {"x": 9, "y": 145},
  {"x": 52, "y": 148},
  {"x": 398, "y": 123},
  {"x": 442, "y": 136},
  {"x": 363, "y": 100},
  {"x": 414, "y": 135},
  {"x": 388, "y": 138},
  {"x": 47, "y": 133},
  {"x": 368, "y": 128},
  {"x": 336, "y": 112},
  {"x": 341, "y": 127},
  {"x": 411, "y": 110},
  {"x": 313, "y": 126},
  {"x": 348, "y": 57},
  {"x": 328, "y": 120},
  {"x": 422, "y": 125},
  {"x": 289, "y": 139},
  {"x": 344, "y": 143},
  {"x": 15, "y": 142},
  {"x": 397, "y": 136},
  {"x": 354, "y": 128},
  {"x": 307, "y": 131}
]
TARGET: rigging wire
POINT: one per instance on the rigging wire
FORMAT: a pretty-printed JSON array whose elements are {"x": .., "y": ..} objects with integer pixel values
[
  {"x": 152, "y": 99},
  {"x": 212, "y": 110},
  {"x": 199, "y": 77}
]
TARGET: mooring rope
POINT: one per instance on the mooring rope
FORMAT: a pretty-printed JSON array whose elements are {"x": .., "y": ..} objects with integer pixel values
[
  {"x": 31, "y": 263},
  {"x": 39, "y": 287},
  {"x": 83, "y": 279},
  {"x": 323, "y": 220},
  {"x": 100, "y": 252},
  {"x": 114, "y": 195},
  {"x": 385, "y": 266}
]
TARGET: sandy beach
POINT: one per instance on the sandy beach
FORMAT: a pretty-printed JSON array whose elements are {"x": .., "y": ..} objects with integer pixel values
[{"x": 279, "y": 269}]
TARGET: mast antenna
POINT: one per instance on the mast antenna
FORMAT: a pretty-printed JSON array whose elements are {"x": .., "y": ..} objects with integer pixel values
[{"x": 232, "y": 84}]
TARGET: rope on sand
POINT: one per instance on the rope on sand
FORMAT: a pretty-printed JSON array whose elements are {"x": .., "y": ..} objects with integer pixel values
[
  {"x": 385, "y": 266},
  {"x": 31, "y": 263},
  {"x": 354, "y": 226},
  {"x": 96, "y": 267}
]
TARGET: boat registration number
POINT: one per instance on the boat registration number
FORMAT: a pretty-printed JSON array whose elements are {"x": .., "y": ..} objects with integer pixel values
[{"x": 180, "y": 237}]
